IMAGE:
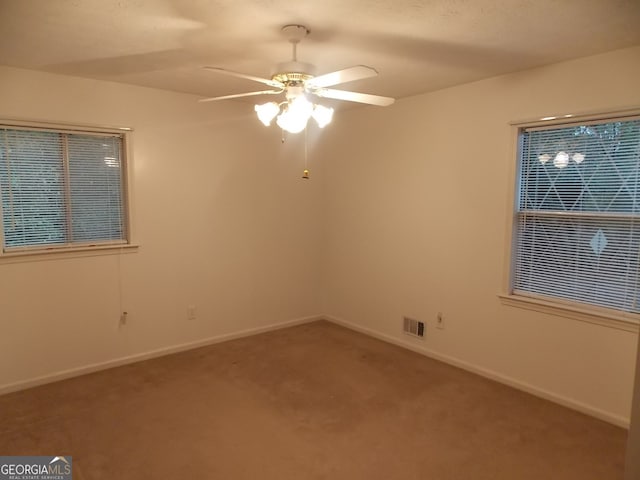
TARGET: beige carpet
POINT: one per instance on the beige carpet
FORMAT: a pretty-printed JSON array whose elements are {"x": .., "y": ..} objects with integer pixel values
[{"x": 310, "y": 402}]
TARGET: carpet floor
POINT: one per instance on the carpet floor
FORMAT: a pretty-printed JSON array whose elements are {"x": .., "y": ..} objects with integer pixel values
[{"x": 310, "y": 402}]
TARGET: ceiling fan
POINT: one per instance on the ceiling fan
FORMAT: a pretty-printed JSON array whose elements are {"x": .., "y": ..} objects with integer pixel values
[{"x": 296, "y": 80}]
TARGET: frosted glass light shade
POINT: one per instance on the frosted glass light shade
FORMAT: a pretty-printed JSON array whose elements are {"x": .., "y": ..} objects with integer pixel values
[
  {"x": 295, "y": 114},
  {"x": 294, "y": 119},
  {"x": 322, "y": 115},
  {"x": 267, "y": 112}
]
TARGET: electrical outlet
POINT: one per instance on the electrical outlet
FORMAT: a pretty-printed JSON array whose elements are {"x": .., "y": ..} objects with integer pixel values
[
  {"x": 440, "y": 321},
  {"x": 191, "y": 312},
  {"x": 123, "y": 319}
]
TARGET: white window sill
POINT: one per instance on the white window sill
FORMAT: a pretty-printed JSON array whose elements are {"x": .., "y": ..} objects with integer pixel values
[
  {"x": 628, "y": 322},
  {"x": 66, "y": 252}
]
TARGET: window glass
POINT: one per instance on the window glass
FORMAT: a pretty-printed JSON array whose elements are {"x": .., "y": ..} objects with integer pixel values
[
  {"x": 61, "y": 189},
  {"x": 578, "y": 215}
]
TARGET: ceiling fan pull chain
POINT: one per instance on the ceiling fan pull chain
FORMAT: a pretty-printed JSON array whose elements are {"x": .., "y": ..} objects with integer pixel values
[{"x": 305, "y": 173}]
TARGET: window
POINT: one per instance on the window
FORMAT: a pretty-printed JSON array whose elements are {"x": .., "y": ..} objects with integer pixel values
[
  {"x": 61, "y": 188},
  {"x": 577, "y": 225}
]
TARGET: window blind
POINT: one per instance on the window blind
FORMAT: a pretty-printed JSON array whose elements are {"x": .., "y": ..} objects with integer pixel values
[
  {"x": 60, "y": 188},
  {"x": 578, "y": 214}
]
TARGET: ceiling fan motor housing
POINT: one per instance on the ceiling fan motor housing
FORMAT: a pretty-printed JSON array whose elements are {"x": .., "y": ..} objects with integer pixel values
[{"x": 293, "y": 72}]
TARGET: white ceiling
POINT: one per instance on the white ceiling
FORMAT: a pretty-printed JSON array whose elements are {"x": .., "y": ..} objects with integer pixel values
[{"x": 417, "y": 46}]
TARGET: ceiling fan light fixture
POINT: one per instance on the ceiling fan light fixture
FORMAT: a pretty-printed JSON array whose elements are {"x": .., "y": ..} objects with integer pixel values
[
  {"x": 296, "y": 80},
  {"x": 322, "y": 115},
  {"x": 267, "y": 112},
  {"x": 296, "y": 114}
]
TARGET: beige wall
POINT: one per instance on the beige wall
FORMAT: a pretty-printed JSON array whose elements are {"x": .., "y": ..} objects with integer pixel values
[
  {"x": 223, "y": 218},
  {"x": 632, "y": 466},
  {"x": 416, "y": 207},
  {"x": 405, "y": 215}
]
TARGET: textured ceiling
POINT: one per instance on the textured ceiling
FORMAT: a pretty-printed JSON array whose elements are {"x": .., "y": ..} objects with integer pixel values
[{"x": 417, "y": 46}]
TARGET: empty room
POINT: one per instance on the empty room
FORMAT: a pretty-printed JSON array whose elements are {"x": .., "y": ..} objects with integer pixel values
[{"x": 350, "y": 239}]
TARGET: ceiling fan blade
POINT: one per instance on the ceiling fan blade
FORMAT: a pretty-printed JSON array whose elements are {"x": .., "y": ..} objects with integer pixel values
[
  {"x": 342, "y": 76},
  {"x": 239, "y": 95},
  {"x": 354, "y": 97},
  {"x": 266, "y": 81}
]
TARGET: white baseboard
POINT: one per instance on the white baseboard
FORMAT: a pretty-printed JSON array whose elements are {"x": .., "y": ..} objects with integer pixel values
[
  {"x": 498, "y": 377},
  {"x": 95, "y": 367},
  {"x": 539, "y": 392}
]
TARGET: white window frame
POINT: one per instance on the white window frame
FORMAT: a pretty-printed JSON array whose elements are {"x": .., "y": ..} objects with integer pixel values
[
  {"x": 577, "y": 311},
  {"x": 79, "y": 249}
]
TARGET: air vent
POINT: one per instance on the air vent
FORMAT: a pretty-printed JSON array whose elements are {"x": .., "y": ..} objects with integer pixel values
[{"x": 413, "y": 327}]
